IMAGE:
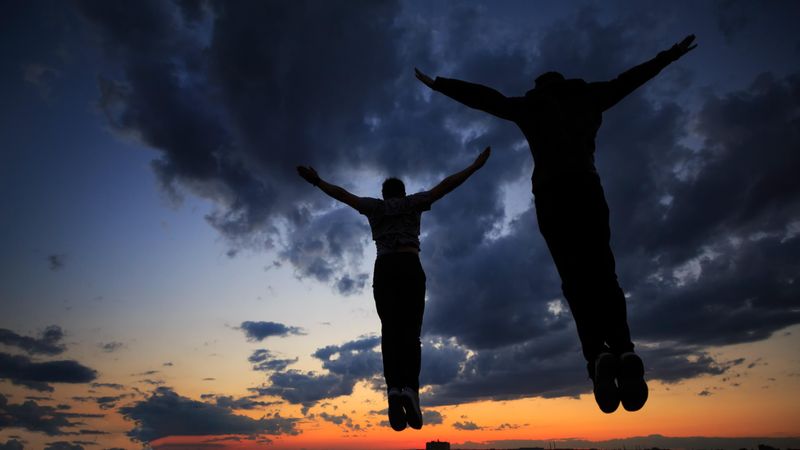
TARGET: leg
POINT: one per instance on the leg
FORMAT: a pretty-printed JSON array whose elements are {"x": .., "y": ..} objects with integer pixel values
[{"x": 573, "y": 218}]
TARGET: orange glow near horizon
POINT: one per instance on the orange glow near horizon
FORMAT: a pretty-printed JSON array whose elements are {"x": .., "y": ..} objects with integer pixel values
[{"x": 755, "y": 399}]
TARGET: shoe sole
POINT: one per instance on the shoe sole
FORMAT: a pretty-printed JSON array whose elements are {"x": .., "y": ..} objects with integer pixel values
[
  {"x": 397, "y": 416},
  {"x": 413, "y": 415},
  {"x": 606, "y": 393},
  {"x": 632, "y": 387}
]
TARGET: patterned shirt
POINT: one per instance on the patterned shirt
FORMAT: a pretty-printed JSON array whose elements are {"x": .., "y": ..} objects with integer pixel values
[{"x": 395, "y": 221}]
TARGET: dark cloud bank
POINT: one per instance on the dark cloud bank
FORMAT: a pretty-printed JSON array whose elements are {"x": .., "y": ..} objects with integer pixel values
[
  {"x": 232, "y": 97},
  {"x": 165, "y": 413},
  {"x": 23, "y": 370}
]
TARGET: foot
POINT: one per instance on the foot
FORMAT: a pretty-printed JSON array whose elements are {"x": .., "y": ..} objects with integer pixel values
[
  {"x": 632, "y": 387},
  {"x": 411, "y": 404},
  {"x": 606, "y": 393},
  {"x": 397, "y": 417}
]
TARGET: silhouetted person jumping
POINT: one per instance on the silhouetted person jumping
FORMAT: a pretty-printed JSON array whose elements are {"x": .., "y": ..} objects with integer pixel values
[
  {"x": 560, "y": 118},
  {"x": 398, "y": 281}
]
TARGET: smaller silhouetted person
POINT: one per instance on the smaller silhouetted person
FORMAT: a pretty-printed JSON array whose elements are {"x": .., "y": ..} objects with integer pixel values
[
  {"x": 398, "y": 281},
  {"x": 560, "y": 118}
]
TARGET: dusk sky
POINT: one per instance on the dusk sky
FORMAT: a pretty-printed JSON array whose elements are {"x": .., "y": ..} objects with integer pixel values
[{"x": 167, "y": 280}]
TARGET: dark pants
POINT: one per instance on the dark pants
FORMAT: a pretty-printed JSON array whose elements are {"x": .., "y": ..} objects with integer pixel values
[
  {"x": 399, "y": 290},
  {"x": 573, "y": 218}
]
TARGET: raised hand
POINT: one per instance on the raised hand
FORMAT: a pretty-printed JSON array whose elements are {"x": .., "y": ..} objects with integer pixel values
[
  {"x": 424, "y": 78},
  {"x": 481, "y": 159},
  {"x": 683, "y": 47},
  {"x": 308, "y": 174}
]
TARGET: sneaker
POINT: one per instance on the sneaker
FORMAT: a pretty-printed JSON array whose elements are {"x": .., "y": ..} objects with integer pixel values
[
  {"x": 632, "y": 387},
  {"x": 606, "y": 393},
  {"x": 411, "y": 404},
  {"x": 397, "y": 417}
]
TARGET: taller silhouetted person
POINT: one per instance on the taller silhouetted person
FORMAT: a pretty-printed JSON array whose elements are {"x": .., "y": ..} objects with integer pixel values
[
  {"x": 560, "y": 118},
  {"x": 398, "y": 282}
]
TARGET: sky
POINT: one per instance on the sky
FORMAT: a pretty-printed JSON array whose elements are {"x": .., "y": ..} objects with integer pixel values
[{"x": 169, "y": 282}]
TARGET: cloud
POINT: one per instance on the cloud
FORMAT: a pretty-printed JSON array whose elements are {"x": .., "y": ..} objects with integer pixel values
[
  {"x": 115, "y": 386},
  {"x": 243, "y": 403},
  {"x": 64, "y": 445},
  {"x": 22, "y": 371},
  {"x": 34, "y": 417},
  {"x": 258, "y": 331},
  {"x": 110, "y": 347},
  {"x": 431, "y": 417},
  {"x": 57, "y": 261},
  {"x": 306, "y": 388},
  {"x": 104, "y": 401},
  {"x": 264, "y": 361},
  {"x": 48, "y": 342},
  {"x": 346, "y": 365},
  {"x": 343, "y": 420},
  {"x": 12, "y": 444},
  {"x": 165, "y": 413},
  {"x": 466, "y": 426}
]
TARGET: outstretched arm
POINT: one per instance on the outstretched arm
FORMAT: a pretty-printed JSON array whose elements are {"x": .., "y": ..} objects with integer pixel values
[
  {"x": 473, "y": 95},
  {"x": 610, "y": 92},
  {"x": 455, "y": 180},
  {"x": 339, "y": 193}
]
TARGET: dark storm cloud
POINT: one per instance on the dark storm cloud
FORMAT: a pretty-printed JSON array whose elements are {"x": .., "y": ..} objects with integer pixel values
[
  {"x": 258, "y": 331},
  {"x": 356, "y": 360},
  {"x": 34, "y": 417},
  {"x": 728, "y": 253},
  {"x": 165, "y": 413},
  {"x": 307, "y": 388},
  {"x": 346, "y": 365},
  {"x": 264, "y": 361},
  {"x": 48, "y": 342},
  {"x": 233, "y": 104},
  {"x": 339, "y": 234},
  {"x": 21, "y": 370}
]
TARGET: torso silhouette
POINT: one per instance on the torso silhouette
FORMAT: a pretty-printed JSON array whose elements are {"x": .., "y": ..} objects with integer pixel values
[{"x": 560, "y": 122}]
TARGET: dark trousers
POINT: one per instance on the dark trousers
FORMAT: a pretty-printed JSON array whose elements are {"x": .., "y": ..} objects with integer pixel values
[
  {"x": 573, "y": 218},
  {"x": 399, "y": 290}
]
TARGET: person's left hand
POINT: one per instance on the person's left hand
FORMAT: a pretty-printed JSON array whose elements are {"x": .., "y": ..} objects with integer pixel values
[
  {"x": 424, "y": 78},
  {"x": 308, "y": 174}
]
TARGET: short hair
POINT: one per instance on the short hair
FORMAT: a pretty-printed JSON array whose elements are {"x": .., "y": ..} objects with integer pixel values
[
  {"x": 393, "y": 188},
  {"x": 549, "y": 77}
]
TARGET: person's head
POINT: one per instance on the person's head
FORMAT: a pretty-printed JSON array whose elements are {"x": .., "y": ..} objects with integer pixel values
[
  {"x": 548, "y": 78},
  {"x": 393, "y": 188}
]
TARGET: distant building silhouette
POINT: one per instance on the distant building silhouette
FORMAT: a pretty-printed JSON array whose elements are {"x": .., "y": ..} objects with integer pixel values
[{"x": 437, "y": 445}]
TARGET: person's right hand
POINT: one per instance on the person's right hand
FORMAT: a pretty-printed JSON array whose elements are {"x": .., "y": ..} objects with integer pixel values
[
  {"x": 683, "y": 47},
  {"x": 481, "y": 159},
  {"x": 424, "y": 78},
  {"x": 308, "y": 174}
]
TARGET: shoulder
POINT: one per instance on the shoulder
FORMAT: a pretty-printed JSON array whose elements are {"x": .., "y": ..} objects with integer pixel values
[
  {"x": 368, "y": 205},
  {"x": 421, "y": 201}
]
